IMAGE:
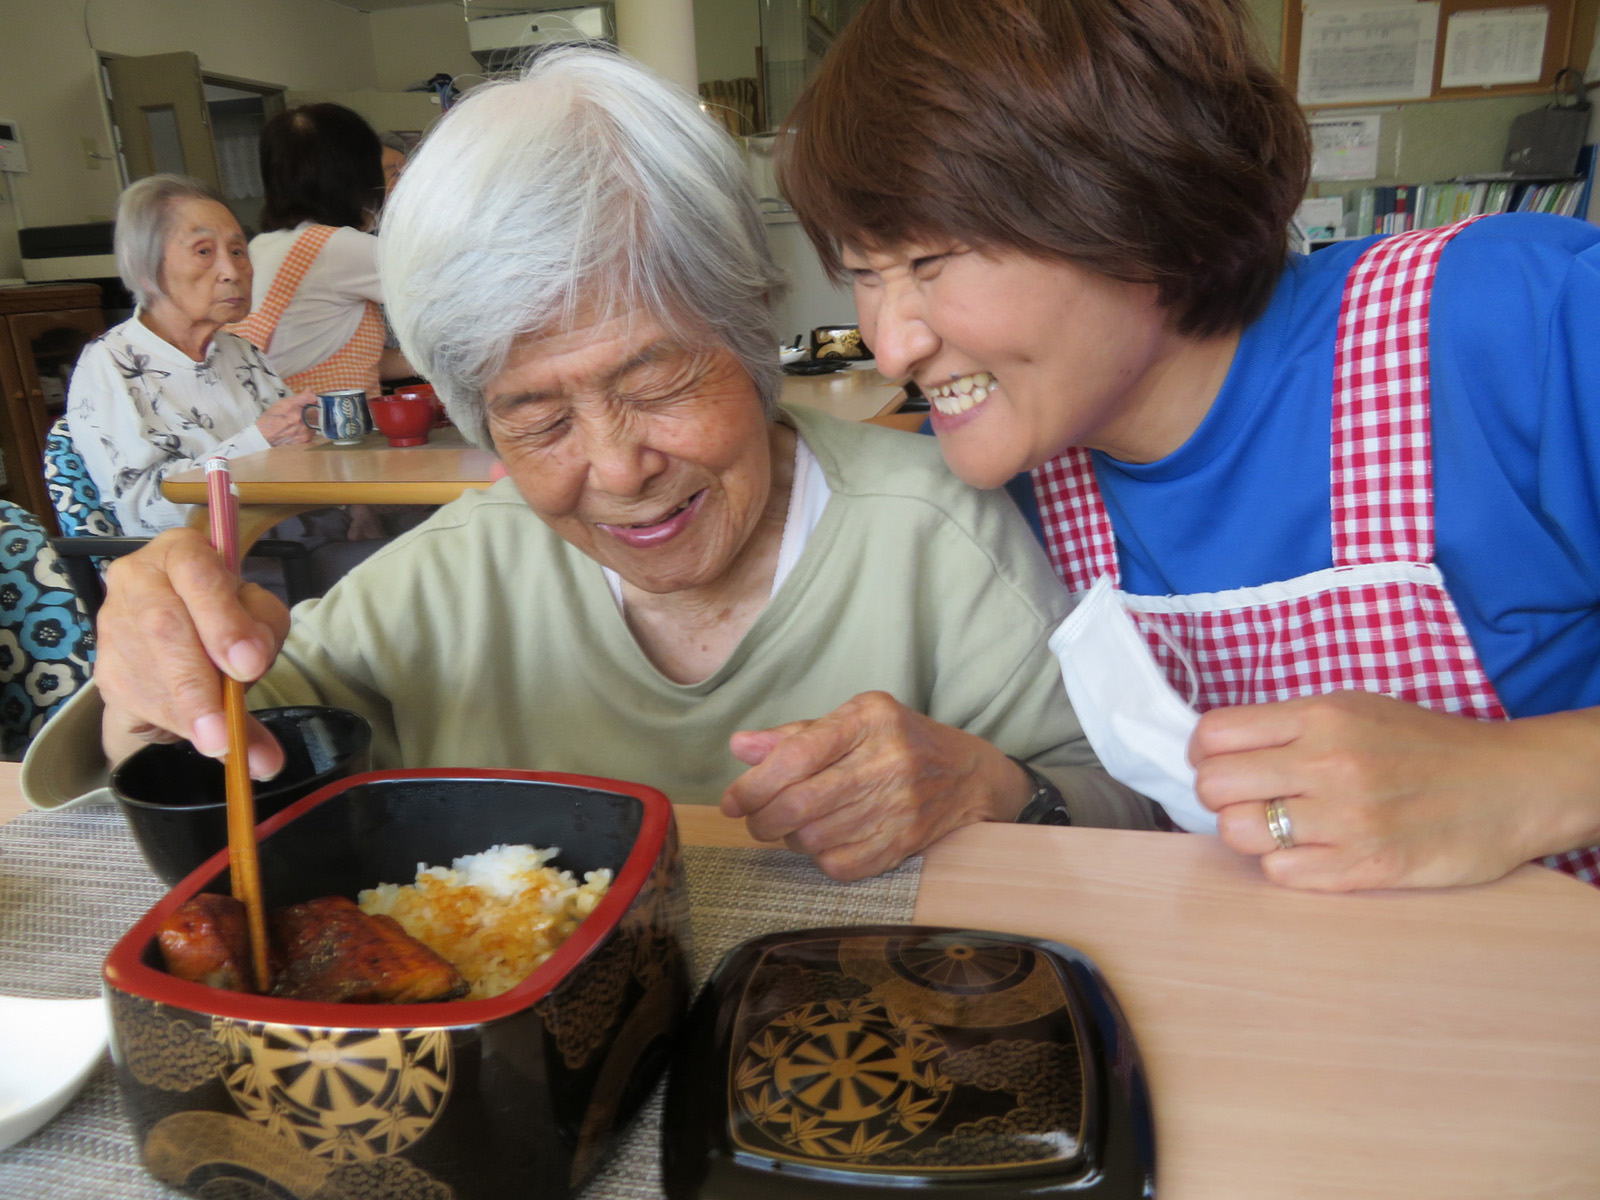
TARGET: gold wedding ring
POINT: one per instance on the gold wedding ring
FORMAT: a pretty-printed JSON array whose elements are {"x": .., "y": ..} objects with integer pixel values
[{"x": 1279, "y": 825}]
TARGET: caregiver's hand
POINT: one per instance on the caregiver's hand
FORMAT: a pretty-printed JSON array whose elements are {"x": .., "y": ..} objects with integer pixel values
[
  {"x": 869, "y": 784},
  {"x": 173, "y": 616},
  {"x": 1383, "y": 793}
]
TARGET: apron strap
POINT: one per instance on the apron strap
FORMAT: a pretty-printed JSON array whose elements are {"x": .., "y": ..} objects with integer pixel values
[
  {"x": 260, "y": 325},
  {"x": 1078, "y": 535},
  {"x": 1382, "y": 455}
]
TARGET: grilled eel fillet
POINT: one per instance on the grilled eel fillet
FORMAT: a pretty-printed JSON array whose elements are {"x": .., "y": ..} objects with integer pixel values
[
  {"x": 334, "y": 951},
  {"x": 206, "y": 941},
  {"x": 325, "y": 950}
]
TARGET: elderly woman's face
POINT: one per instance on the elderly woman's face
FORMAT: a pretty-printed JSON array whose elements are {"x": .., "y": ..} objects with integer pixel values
[
  {"x": 205, "y": 269},
  {"x": 648, "y": 455},
  {"x": 394, "y": 165}
]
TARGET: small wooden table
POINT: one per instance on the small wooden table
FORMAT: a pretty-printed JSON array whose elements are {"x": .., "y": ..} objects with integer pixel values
[
  {"x": 286, "y": 480},
  {"x": 1437, "y": 1045}
]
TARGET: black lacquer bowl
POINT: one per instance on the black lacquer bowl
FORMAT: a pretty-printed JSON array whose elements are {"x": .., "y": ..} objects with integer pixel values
[
  {"x": 175, "y": 799},
  {"x": 862, "y": 1061},
  {"x": 231, "y": 1094}
]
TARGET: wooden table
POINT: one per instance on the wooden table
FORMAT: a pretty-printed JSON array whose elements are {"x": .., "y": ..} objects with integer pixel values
[
  {"x": 286, "y": 480},
  {"x": 1404, "y": 1045},
  {"x": 855, "y": 394},
  {"x": 278, "y": 483}
]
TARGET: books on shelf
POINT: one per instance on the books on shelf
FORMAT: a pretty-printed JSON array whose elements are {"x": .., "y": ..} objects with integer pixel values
[{"x": 1402, "y": 207}]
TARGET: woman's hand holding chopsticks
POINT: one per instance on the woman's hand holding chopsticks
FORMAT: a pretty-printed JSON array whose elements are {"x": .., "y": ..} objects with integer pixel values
[{"x": 174, "y": 617}]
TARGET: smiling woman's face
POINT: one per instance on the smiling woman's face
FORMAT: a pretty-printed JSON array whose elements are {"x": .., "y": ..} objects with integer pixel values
[
  {"x": 1022, "y": 358},
  {"x": 649, "y": 455}
]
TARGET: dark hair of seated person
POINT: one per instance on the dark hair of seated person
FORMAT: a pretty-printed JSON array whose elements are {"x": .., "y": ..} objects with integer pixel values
[{"x": 320, "y": 163}]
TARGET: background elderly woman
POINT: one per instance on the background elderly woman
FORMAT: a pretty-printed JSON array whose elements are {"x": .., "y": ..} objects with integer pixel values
[
  {"x": 578, "y": 262},
  {"x": 169, "y": 387},
  {"x": 317, "y": 295}
]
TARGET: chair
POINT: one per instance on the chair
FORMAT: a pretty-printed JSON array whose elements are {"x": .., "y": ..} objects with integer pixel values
[
  {"x": 91, "y": 533},
  {"x": 46, "y": 638}
]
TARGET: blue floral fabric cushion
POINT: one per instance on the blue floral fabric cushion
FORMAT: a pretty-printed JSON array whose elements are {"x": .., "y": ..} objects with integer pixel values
[
  {"x": 79, "y": 510},
  {"x": 46, "y": 643}
]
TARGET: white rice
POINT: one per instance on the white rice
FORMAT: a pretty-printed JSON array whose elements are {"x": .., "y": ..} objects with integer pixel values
[{"x": 495, "y": 916}]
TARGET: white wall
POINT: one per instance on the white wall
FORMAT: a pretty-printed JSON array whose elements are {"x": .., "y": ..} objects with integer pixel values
[
  {"x": 414, "y": 44},
  {"x": 726, "y": 34},
  {"x": 660, "y": 34},
  {"x": 48, "y": 80}
]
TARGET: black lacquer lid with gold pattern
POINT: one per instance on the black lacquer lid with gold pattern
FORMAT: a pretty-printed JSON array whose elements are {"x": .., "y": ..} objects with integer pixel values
[{"x": 863, "y": 1060}]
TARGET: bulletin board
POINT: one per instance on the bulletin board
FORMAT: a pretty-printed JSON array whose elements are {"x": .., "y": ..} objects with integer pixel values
[{"x": 1571, "y": 24}]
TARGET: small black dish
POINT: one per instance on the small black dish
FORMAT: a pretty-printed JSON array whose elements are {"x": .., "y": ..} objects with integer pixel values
[
  {"x": 858, "y": 1062},
  {"x": 175, "y": 798},
  {"x": 816, "y": 366}
]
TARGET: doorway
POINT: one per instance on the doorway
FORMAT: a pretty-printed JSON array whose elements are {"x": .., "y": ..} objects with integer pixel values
[{"x": 169, "y": 116}]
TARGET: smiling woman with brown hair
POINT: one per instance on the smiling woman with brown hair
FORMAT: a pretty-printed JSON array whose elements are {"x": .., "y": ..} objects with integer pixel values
[
  {"x": 682, "y": 581},
  {"x": 1334, "y": 519}
]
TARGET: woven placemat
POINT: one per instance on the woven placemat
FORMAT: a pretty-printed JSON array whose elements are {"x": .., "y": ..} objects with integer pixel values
[{"x": 71, "y": 882}]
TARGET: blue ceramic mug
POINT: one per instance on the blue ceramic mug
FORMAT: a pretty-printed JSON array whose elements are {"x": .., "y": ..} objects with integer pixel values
[{"x": 340, "y": 416}]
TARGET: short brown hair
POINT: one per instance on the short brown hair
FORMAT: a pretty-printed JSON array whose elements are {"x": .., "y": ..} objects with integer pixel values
[{"x": 1142, "y": 139}]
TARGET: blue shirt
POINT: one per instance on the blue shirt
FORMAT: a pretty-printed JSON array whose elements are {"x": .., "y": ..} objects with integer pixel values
[{"x": 1515, "y": 360}]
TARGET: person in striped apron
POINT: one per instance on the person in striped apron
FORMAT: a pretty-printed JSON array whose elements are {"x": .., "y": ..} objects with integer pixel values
[
  {"x": 317, "y": 311},
  {"x": 1334, "y": 521}
]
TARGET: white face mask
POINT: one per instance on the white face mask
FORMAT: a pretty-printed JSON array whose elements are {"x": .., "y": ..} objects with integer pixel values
[{"x": 1136, "y": 723}]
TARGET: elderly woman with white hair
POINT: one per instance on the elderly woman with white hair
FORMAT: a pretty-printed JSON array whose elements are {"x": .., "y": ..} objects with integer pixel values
[
  {"x": 170, "y": 387},
  {"x": 681, "y": 581}
]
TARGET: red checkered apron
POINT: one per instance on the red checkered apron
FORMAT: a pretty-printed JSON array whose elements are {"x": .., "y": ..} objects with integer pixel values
[{"x": 1378, "y": 620}]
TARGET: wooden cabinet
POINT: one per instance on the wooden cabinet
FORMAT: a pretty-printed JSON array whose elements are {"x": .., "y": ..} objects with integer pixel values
[{"x": 42, "y": 330}]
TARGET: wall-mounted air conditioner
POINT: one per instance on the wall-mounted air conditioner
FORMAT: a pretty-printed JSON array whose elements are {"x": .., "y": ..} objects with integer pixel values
[{"x": 500, "y": 43}]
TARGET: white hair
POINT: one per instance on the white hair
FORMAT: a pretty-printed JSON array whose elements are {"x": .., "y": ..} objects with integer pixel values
[
  {"x": 144, "y": 225},
  {"x": 589, "y": 185}
]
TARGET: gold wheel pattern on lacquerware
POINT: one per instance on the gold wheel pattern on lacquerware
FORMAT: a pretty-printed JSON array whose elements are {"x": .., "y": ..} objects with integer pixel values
[
  {"x": 844, "y": 1080},
  {"x": 951, "y": 964},
  {"x": 346, "y": 1095}
]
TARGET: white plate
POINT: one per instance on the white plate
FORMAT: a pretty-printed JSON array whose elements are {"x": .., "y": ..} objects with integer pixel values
[{"x": 47, "y": 1049}]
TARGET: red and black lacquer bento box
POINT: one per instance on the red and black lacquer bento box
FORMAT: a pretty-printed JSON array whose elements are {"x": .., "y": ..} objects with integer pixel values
[{"x": 517, "y": 1096}]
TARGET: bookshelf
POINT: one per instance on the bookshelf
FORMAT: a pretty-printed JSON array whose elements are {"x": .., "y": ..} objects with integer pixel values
[
  {"x": 1399, "y": 207},
  {"x": 1403, "y": 207}
]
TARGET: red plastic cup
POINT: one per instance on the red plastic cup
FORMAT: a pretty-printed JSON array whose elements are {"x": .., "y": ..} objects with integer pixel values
[
  {"x": 404, "y": 420},
  {"x": 440, "y": 420}
]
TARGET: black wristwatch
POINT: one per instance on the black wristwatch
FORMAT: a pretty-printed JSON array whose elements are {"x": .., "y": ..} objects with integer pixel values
[{"x": 1046, "y": 806}]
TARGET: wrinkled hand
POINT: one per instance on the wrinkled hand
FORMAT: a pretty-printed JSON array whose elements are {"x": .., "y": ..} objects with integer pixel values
[
  {"x": 871, "y": 783},
  {"x": 282, "y": 425},
  {"x": 173, "y": 617},
  {"x": 1383, "y": 793}
]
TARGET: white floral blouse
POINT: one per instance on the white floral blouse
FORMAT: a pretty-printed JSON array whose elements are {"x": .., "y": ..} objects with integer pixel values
[{"x": 139, "y": 408}]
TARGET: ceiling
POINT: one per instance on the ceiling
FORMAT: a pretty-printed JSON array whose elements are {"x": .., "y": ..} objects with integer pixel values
[{"x": 381, "y": 5}]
